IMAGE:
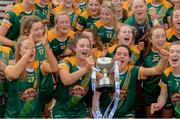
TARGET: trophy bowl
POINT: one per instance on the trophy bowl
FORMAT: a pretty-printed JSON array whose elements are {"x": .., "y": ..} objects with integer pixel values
[{"x": 105, "y": 65}]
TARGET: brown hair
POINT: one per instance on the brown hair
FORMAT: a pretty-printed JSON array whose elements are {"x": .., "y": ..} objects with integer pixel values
[
  {"x": 146, "y": 38},
  {"x": 20, "y": 40},
  {"x": 99, "y": 1},
  {"x": 27, "y": 23},
  {"x": 131, "y": 3},
  {"x": 176, "y": 7},
  {"x": 59, "y": 15},
  {"x": 132, "y": 28},
  {"x": 77, "y": 38},
  {"x": 95, "y": 38}
]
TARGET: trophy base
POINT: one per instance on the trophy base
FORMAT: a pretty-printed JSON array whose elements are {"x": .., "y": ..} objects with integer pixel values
[{"x": 105, "y": 88}]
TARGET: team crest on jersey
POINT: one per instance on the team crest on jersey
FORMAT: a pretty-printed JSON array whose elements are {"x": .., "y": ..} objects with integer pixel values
[
  {"x": 77, "y": 91},
  {"x": 28, "y": 94}
]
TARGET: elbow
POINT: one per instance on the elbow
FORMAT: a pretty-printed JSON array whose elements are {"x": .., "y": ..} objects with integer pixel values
[
  {"x": 54, "y": 70},
  {"x": 11, "y": 76},
  {"x": 65, "y": 82}
]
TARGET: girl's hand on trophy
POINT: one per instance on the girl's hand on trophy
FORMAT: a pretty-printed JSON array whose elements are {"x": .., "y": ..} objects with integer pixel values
[
  {"x": 175, "y": 98},
  {"x": 90, "y": 62},
  {"x": 123, "y": 94}
]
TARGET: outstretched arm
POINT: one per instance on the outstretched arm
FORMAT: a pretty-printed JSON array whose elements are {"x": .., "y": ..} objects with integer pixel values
[
  {"x": 161, "y": 100},
  {"x": 159, "y": 68}
]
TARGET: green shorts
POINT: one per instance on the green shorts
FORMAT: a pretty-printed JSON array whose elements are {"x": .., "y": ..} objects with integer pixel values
[{"x": 61, "y": 111}]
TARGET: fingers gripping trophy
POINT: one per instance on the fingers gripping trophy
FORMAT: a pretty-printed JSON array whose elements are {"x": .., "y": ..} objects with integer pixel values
[{"x": 105, "y": 65}]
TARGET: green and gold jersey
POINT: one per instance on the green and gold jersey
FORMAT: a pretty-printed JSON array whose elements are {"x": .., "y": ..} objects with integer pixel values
[
  {"x": 58, "y": 45},
  {"x": 27, "y": 104},
  {"x": 73, "y": 14},
  {"x": 40, "y": 52},
  {"x": 12, "y": 21},
  {"x": 69, "y": 99},
  {"x": 43, "y": 12},
  {"x": 126, "y": 107},
  {"x": 172, "y": 83},
  {"x": 82, "y": 6},
  {"x": 135, "y": 53},
  {"x": 105, "y": 33},
  {"x": 171, "y": 35},
  {"x": 163, "y": 10},
  {"x": 151, "y": 87},
  {"x": 48, "y": 81},
  {"x": 140, "y": 29},
  {"x": 85, "y": 20},
  {"x": 6, "y": 55}
]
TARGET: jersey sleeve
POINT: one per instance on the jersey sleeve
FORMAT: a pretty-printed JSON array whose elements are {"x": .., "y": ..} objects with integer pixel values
[
  {"x": 81, "y": 23},
  {"x": 163, "y": 81}
]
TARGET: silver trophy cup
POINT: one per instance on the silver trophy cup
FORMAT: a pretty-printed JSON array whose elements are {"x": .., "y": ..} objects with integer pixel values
[{"x": 105, "y": 65}]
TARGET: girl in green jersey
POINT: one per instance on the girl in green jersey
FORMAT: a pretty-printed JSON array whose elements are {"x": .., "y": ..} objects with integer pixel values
[
  {"x": 127, "y": 75},
  {"x": 170, "y": 82},
  {"x": 24, "y": 76}
]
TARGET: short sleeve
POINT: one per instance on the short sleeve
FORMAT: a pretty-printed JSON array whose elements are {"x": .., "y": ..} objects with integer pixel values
[
  {"x": 141, "y": 73},
  {"x": 163, "y": 81},
  {"x": 63, "y": 65}
]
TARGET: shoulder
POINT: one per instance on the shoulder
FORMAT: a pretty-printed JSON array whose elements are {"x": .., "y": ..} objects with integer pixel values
[
  {"x": 98, "y": 23},
  {"x": 170, "y": 32},
  {"x": 85, "y": 14},
  {"x": 71, "y": 34},
  {"x": 167, "y": 71},
  {"x": 51, "y": 34},
  {"x": 17, "y": 9},
  {"x": 167, "y": 4}
]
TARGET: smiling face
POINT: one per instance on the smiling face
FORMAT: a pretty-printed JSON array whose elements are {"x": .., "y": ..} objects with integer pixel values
[
  {"x": 176, "y": 19},
  {"x": 175, "y": 2},
  {"x": 174, "y": 57},
  {"x": 139, "y": 9},
  {"x": 158, "y": 38},
  {"x": 44, "y": 2},
  {"x": 63, "y": 24},
  {"x": 23, "y": 49},
  {"x": 30, "y": 2},
  {"x": 119, "y": 12},
  {"x": 122, "y": 56},
  {"x": 106, "y": 15},
  {"x": 93, "y": 7},
  {"x": 118, "y": 3},
  {"x": 125, "y": 35},
  {"x": 83, "y": 48},
  {"x": 38, "y": 31}
]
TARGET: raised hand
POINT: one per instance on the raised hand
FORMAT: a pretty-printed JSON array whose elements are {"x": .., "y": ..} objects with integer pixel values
[
  {"x": 90, "y": 62},
  {"x": 31, "y": 43},
  {"x": 164, "y": 54},
  {"x": 175, "y": 98},
  {"x": 44, "y": 39},
  {"x": 155, "y": 107}
]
